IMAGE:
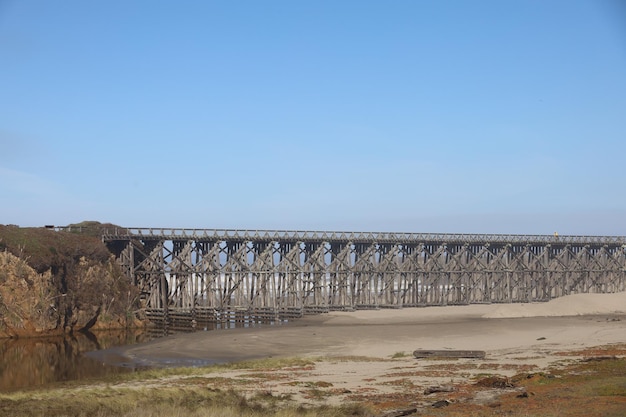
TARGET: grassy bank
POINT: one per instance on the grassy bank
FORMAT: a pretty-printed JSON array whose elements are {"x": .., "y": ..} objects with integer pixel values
[
  {"x": 194, "y": 392},
  {"x": 590, "y": 384},
  {"x": 194, "y": 400}
]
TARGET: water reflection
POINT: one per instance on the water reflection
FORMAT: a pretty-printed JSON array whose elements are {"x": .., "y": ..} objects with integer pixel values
[
  {"x": 33, "y": 362},
  {"x": 39, "y": 361}
]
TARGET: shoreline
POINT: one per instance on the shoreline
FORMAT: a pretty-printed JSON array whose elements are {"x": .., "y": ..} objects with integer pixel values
[{"x": 565, "y": 323}]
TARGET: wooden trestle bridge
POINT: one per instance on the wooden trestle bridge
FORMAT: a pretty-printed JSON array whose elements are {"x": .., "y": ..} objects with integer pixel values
[{"x": 211, "y": 273}]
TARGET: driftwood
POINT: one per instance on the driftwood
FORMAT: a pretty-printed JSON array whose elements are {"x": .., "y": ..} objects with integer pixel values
[
  {"x": 495, "y": 382},
  {"x": 442, "y": 403},
  {"x": 443, "y": 354},
  {"x": 439, "y": 388}
]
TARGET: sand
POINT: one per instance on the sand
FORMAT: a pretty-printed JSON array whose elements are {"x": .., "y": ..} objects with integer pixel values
[
  {"x": 515, "y": 337},
  {"x": 569, "y": 322}
]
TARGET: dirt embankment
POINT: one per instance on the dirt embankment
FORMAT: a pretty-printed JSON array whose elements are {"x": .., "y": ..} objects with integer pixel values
[{"x": 56, "y": 282}]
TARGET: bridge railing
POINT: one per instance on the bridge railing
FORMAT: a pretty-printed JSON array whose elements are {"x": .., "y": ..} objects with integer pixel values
[{"x": 354, "y": 237}]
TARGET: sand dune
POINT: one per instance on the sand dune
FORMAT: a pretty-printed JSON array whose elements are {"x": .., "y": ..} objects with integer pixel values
[{"x": 571, "y": 305}]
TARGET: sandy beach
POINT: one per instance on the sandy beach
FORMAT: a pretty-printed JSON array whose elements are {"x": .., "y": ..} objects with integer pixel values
[
  {"x": 566, "y": 323},
  {"x": 367, "y": 351}
]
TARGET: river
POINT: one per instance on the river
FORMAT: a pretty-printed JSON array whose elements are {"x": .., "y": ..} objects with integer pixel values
[{"x": 35, "y": 362}]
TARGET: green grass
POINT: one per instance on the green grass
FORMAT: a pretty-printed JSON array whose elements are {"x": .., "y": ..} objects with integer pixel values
[
  {"x": 162, "y": 401},
  {"x": 260, "y": 365},
  {"x": 172, "y": 392}
]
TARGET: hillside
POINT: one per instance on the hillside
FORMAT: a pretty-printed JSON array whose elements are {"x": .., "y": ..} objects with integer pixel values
[{"x": 54, "y": 282}]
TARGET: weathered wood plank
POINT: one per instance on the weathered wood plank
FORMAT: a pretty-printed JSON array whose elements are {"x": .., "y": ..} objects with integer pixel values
[
  {"x": 474, "y": 354},
  {"x": 439, "y": 388}
]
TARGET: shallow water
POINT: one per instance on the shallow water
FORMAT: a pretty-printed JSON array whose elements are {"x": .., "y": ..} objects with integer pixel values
[
  {"x": 116, "y": 356},
  {"x": 34, "y": 362}
]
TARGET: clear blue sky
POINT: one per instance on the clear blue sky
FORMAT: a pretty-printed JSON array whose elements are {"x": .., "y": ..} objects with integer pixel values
[{"x": 414, "y": 116}]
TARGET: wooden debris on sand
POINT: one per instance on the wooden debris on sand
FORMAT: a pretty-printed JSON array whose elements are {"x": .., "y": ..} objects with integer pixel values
[
  {"x": 439, "y": 388},
  {"x": 445, "y": 354}
]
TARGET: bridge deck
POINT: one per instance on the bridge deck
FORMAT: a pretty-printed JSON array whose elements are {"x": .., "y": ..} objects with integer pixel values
[{"x": 216, "y": 235}]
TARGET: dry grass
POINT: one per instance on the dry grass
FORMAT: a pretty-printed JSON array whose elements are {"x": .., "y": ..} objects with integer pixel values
[{"x": 582, "y": 388}]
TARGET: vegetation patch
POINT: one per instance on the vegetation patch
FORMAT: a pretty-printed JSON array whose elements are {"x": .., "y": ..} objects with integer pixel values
[
  {"x": 404, "y": 382},
  {"x": 267, "y": 376},
  {"x": 54, "y": 282},
  {"x": 618, "y": 349},
  {"x": 582, "y": 388},
  {"x": 380, "y": 403},
  {"x": 357, "y": 359},
  {"x": 318, "y": 384}
]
